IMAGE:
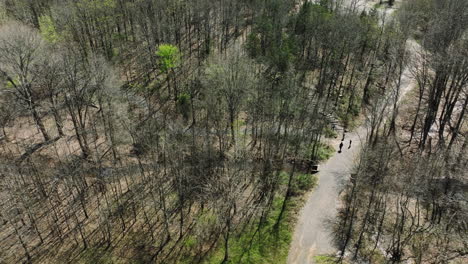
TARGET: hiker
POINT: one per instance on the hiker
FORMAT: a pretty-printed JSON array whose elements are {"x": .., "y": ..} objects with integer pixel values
[
  {"x": 350, "y": 141},
  {"x": 341, "y": 146},
  {"x": 344, "y": 134}
]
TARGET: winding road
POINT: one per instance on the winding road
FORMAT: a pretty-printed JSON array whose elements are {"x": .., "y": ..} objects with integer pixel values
[{"x": 312, "y": 236}]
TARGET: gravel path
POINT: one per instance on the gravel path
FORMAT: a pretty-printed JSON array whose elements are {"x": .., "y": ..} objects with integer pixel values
[{"x": 312, "y": 237}]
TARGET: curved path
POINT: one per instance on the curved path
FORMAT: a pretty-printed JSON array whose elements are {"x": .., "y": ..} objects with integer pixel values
[{"x": 312, "y": 237}]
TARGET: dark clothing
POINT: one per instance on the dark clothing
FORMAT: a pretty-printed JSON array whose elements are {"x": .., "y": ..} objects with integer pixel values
[{"x": 350, "y": 141}]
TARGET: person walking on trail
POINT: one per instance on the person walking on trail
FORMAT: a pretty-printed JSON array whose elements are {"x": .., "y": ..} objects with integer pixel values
[
  {"x": 350, "y": 141},
  {"x": 341, "y": 146}
]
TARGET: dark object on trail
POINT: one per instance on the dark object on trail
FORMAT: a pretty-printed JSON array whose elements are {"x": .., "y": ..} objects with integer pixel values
[
  {"x": 314, "y": 169},
  {"x": 344, "y": 134},
  {"x": 350, "y": 141},
  {"x": 341, "y": 146}
]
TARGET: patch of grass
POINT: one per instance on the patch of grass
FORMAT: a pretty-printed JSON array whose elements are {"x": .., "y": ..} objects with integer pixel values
[
  {"x": 349, "y": 115},
  {"x": 207, "y": 218},
  {"x": 283, "y": 178},
  {"x": 324, "y": 152},
  {"x": 239, "y": 123},
  {"x": 325, "y": 259},
  {"x": 95, "y": 255},
  {"x": 264, "y": 247},
  {"x": 268, "y": 245},
  {"x": 190, "y": 241},
  {"x": 329, "y": 132},
  {"x": 304, "y": 182}
]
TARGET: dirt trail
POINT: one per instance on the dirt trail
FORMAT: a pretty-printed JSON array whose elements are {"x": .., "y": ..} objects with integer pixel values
[{"x": 312, "y": 237}]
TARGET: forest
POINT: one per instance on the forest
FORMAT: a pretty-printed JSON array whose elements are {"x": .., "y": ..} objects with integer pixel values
[{"x": 195, "y": 131}]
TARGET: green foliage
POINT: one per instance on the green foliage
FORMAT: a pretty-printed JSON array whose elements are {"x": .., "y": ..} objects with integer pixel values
[
  {"x": 283, "y": 178},
  {"x": 169, "y": 57},
  {"x": 3, "y": 13},
  {"x": 47, "y": 29},
  {"x": 348, "y": 111},
  {"x": 183, "y": 99},
  {"x": 183, "y": 105},
  {"x": 253, "y": 45},
  {"x": 324, "y": 152},
  {"x": 329, "y": 132},
  {"x": 100, "y": 5},
  {"x": 10, "y": 85},
  {"x": 108, "y": 3},
  {"x": 325, "y": 259},
  {"x": 378, "y": 5},
  {"x": 190, "y": 241},
  {"x": 95, "y": 255},
  {"x": 266, "y": 247},
  {"x": 208, "y": 218},
  {"x": 304, "y": 182},
  {"x": 312, "y": 15},
  {"x": 268, "y": 41},
  {"x": 238, "y": 123},
  {"x": 138, "y": 88},
  {"x": 283, "y": 55}
]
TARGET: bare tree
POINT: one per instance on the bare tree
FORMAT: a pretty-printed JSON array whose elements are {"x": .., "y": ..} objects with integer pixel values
[{"x": 21, "y": 52}]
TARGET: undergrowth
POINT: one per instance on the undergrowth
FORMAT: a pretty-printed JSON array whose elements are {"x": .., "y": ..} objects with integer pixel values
[{"x": 268, "y": 245}]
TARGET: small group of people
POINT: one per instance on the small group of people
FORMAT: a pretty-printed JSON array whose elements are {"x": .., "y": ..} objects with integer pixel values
[{"x": 342, "y": 140}]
